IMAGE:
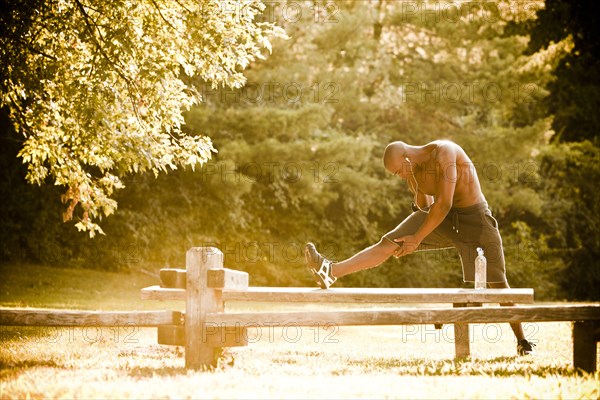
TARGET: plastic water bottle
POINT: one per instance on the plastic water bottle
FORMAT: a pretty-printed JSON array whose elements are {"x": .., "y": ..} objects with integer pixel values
[{"x": 480, "y": 270}]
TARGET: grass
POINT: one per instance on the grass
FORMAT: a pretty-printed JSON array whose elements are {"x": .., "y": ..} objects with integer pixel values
[
  {"x": 307, "y": 362},
  {"x": 53, "y": 287}
]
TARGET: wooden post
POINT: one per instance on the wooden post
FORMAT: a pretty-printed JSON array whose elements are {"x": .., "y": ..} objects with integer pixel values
[
  {"x": 200, "y": 301},
  {"x": 462, "y": 338},
  {"x": 585, "y": 336}
]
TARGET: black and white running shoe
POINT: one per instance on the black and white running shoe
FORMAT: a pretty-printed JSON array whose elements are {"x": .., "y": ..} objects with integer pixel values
[{"x": 319, "y": 266}]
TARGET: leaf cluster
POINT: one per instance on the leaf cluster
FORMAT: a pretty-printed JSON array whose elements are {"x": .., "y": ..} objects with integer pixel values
[{"x": 98, "y": 88}]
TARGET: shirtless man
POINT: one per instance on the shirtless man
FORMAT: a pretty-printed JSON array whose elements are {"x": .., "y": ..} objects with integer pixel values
[{"x": 449, "y": 210}]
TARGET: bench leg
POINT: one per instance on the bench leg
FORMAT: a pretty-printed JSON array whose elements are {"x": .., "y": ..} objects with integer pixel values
[
  {"x": 461, "y": 336},
  {"x": 585, "y": 336},
  {"x": 461, "y": 340}
]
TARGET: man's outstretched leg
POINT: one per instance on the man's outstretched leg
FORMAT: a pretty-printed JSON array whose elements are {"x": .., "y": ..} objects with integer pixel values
[
  {"x": 368, "y": 258},
  {"x": 327, "y": 272}
]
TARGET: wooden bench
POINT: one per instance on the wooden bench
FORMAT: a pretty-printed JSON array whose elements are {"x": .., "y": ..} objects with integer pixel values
[{"x": 205, "y": 286}]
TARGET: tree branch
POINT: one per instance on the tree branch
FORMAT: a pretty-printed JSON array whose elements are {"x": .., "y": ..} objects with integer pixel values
[
  {"x": 88, "y": 23},
  {"x": 161, "y": 15},
  {"x": 41, "y": 53},
  {"x": 184, "y": 7}
]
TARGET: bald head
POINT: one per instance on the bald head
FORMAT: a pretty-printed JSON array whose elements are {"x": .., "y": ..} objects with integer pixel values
[{"x": 394, "y": 155}]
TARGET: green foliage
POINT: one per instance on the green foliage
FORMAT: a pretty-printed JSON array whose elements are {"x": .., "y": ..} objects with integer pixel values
[
  {"x": 98, "y": 87},
  {"x": 575, "y": 89},
  {"x": 571, "y": 172},
  {"x": 300, "y": 148}
]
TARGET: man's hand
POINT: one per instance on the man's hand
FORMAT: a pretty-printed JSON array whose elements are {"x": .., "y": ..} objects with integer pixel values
[{"x": 409, "y": 245}]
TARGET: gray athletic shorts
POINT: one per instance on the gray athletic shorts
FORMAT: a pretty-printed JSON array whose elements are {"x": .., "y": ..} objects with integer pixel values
[{"x": 466, "y": 229}]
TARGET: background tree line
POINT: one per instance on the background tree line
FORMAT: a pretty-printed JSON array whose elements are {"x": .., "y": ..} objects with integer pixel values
[{"x": 300, "y": 146}]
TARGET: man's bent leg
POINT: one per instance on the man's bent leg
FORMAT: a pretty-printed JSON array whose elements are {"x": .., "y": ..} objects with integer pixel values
[
  {"x": 368, "y": 258},
  {"x": 516, "y": 326}
]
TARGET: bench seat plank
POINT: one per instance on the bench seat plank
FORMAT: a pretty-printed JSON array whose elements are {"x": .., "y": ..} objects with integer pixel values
[
  {"x": 408, "y": 316},
  {"x": 357, "y": 295}
]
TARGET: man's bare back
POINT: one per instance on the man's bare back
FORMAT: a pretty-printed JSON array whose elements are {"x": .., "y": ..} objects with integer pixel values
[
  {"x": 445, "y": 156},
  {"x": 441, "y": 176}
]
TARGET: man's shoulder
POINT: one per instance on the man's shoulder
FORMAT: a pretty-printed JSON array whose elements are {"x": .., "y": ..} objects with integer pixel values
[
  {"x": 446, "y": 143},
  {"x": 447, "y": 149}
]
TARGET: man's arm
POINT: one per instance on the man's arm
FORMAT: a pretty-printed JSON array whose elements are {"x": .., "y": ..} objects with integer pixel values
[
  {"x": 424, "y": 200},
  {"x": 439, "y": 209}
]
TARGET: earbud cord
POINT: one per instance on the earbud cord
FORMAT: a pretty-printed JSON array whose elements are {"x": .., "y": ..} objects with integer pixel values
[{"x": 412, "y": 187}]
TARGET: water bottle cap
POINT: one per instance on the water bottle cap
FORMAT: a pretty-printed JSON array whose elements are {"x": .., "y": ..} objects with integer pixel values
[{"x": 480, "y": 251}]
